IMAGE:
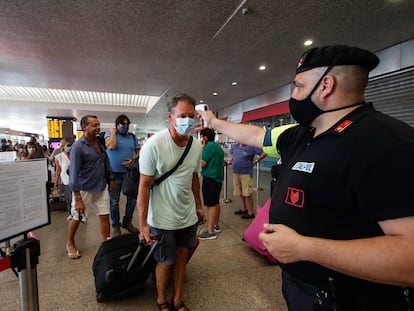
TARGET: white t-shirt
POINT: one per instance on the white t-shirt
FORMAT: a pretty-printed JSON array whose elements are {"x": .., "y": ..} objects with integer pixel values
[
  {"x": 64, "y": 165},
  {"x": 172, "y": 203}
]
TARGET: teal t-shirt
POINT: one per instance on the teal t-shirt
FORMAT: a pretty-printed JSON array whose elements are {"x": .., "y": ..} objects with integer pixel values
[{"x": 213, "y": 154}]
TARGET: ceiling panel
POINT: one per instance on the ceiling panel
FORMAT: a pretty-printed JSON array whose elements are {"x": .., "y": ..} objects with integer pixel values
[{"x": 162, "y": 47}]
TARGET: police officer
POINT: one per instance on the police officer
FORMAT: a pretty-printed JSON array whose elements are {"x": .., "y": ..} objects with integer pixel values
[{"x": 341, "y": 225}]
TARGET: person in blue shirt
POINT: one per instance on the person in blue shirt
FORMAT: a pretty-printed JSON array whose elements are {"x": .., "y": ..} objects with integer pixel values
[
  {"x": 243, "y": 161},
  {"x": 122, "y": 148},
  {"x": 88, "y": 174}
]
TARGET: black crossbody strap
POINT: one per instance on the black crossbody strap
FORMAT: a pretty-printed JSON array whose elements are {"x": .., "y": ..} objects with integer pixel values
[{"x": 159, "y": 180}]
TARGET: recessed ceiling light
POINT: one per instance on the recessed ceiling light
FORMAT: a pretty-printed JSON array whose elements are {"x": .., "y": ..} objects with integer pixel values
[
  {"x": 215, "y": 94},
  {"x": 263, "y": 67},
  {"x": 308, "y": 42},
  {"x": 201, "y": 101},
  {"x": 234, "y": 83}
]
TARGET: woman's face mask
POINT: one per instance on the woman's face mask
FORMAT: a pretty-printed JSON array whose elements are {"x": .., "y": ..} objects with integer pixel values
[
  {"x": 20, "y": 150},
  {"x": 184, "y": 125},
  {"x": 31, "y": 150},
  {"x": 68, "y": 148}
]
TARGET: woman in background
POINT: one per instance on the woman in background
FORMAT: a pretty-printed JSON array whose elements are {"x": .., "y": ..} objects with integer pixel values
[
  {"x": 30, "y": 151},
  {"x": 62, "y": 162}
]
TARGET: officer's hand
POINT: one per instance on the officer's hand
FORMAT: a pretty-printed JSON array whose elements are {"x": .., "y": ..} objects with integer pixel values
[{"x": 282, "y": 242}]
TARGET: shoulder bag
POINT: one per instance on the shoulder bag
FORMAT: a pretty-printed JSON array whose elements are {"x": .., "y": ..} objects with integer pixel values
[{"x": 130, "y": 183}]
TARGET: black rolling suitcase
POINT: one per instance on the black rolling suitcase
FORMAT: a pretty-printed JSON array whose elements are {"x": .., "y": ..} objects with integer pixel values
[{"x": 121, "y": 264}]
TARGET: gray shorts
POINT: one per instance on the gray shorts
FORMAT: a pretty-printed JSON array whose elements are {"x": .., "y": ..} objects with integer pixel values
[{"x": 165, "y": 252}]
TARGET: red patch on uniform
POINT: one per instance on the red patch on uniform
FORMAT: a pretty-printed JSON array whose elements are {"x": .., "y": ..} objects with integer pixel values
[
  {"x": 295, "y": 197},
  {"x": 343, "y": 126}
]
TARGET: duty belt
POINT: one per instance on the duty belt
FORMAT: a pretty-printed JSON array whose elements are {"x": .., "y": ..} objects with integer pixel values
[{"x": 329, "y": 298}]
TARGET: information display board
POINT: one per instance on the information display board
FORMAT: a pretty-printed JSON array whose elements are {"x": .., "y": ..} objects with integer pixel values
[
  {"x": 23, "y": 197},
  {"x": 55, "y": 128}
]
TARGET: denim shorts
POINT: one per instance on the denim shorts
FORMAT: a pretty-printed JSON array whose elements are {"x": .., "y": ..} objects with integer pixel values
[{"x": 165, "y": 252}]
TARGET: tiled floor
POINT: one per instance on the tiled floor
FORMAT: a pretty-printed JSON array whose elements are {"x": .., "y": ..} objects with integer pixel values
[{"x": 224, "y": 274}]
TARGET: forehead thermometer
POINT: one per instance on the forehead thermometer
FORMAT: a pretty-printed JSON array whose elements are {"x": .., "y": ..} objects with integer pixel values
[{"x": 202, "y": 107}]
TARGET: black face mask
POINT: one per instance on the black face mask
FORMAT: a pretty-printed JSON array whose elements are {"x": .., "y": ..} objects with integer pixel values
[{"x": 305, "y": 111}]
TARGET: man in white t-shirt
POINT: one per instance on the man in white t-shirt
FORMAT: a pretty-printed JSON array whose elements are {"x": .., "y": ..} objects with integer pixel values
[{"x": 173, "y": 208}]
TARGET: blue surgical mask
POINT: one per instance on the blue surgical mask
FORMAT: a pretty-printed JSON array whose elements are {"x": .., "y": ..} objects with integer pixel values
[
  {"x": 20, "y": 150},
  {"x": 123, "y": 129},
  {"x": 68, "y": 148},
  {"x": 184, "y": 125},
  {"x": 31, "y": 150}
]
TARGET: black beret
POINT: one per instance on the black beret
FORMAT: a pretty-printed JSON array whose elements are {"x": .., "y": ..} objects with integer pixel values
[{"x": 336, "y": 55}]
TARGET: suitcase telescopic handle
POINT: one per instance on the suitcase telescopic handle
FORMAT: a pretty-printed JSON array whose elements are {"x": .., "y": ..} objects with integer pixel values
[{"x": 141, "y": 244}]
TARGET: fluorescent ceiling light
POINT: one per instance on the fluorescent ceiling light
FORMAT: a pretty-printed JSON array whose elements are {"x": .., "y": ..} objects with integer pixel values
[
  {"x": 60, "y": 98},
  {"x": 263, "y": 67}
]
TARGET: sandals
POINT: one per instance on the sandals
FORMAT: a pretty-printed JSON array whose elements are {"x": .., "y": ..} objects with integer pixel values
[
  {"x": 166, "y": 305},
  {"x": 178, "y": 307},
  {"x": 76, "y": 255},
  {"x": 73, "y": 255},
  {"x": 162, "y": 306}
]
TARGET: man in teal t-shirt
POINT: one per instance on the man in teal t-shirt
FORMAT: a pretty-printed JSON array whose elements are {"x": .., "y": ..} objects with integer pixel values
[{"x": 212, "y": 160}]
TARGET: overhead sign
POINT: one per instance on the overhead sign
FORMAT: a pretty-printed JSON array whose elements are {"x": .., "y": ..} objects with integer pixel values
[{"x": 55, "y": 128}]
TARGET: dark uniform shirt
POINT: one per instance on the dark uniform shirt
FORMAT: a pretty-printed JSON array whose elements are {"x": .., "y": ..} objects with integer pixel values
[{"x": 339, "y": 184}]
